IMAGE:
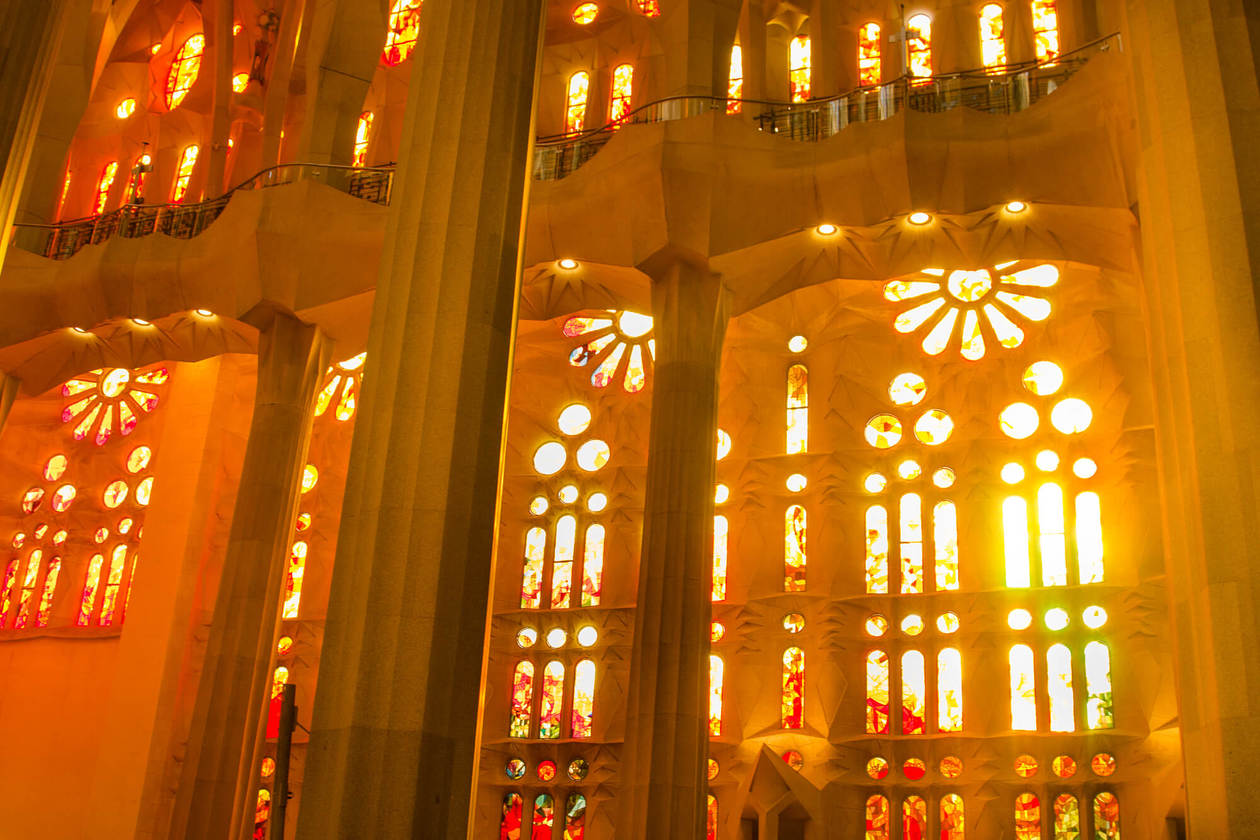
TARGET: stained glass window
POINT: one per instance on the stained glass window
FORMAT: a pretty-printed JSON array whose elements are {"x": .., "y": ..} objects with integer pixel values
[
  {"x": 544, "y": 817},
  {"x": 583, "y": 698},
  {"x": 914, "y": 818},
  {"x": 184, "y": 69},
  {"x": 1052, "y": 539},
  {"x": 793, "y": 688},
  {"x": 65, "y": 191},
  {"x": 294, "y": 573},
  {"x": 869, "y": 69},
  {"x": 50, "y": 589},
  {"x": 593, "y": 566},
  {"x": 1059, "y": 687},
  {"x": 1098, "y": 708},
  {"x": 27, "y": 592},
  {"x": 552, "y": 700},
  {"x": 877, "y": 712},
  {"x": 363, "y": 136},
  {"x": 1046, "y": 28},
  {"x": 562, "y": 562},
  {"x": 992, "y": 41},
  {"x": 510, "y": 822},
  {"x": 1023, "y": 689},
  {"x": 575, "y": 817},
  {"x": 913, "y": 693},
  {"x": 949, "y": 690},
  {"x": 622, "y": 92},
  {"x": 720, "y": 531},
  {"x": 911, "y": 544},
  {"x": 575, "y": 103},
  {"x": 531, "y": 582},
  {"x": 90, "y": 588},
  {"x": 799, "y": 69},
  {"x": 1067, "y": 818},
  {"x": 877, "y": 820},
  {"x": 1106, "y": 816},
  {"x": 876, "y": 550},
  {"x": 1089, "y": 538},
  {"x": 711, "y": 818},
  {"x": 953, "y": 822},
  {"x": 522, "y": 700},
  {"x": 650, "y": 8},
  {"x": 1027, "y": 817},
  {"x": 919, "y": 45},
  {"x": 716, "y": 677},
  {"x": 735, "y": 81},
  {"x": 794, "y": 549},
  {"x": 403, "y": 33},
  {"x": 605, "y": 340},
  {"x": 113, "y": 583},
  {"x": 945, "y": 542},
  {"x": 103, "y": 186},
  {"x": 187, "y": 162}
]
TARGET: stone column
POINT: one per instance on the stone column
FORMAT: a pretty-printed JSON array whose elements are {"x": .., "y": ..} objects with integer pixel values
[
  {"x": 664, "y": 761},
  {"x": 233, "y": 689},
  {"x": 697, "y": 36},
  {"x": 218, "y": 18},
  {"x": 826, "y": 58},
  {"x": 393, "y": 749},
  {"x": 8, "y": 393}
]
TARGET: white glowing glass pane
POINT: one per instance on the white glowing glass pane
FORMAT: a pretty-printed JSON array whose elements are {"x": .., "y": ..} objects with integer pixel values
[
  {"x": 875, "y": 483},
  {"x": 1023, "y": 689},
  {"x": 907, "y": 389},
  {"x": 911, "y": 515},
  {"x": 943, "y": 478},
  {"x": 575, "y": 419},
  {"x": 1059, "y": 688},
  {"x": 1008, "y": 334},
  {"x": 972, "y": 338},
  {"x": 883, "y": 431},
  {"x": 1071, "y": 416},
  {"x": 1032, "y": 308},
  {"x": 1019, "y": 420},
  {"x": 723, "y": 444},
  {"x": 1019, "y": 619},
  {"x": 1012, "y": 473},
  {"x": 1053, "y": 542},
  {"x": 1084, "y": 468},
  {"x": 1098, "y": 699},
  {"x": 593, "y": 455},
  {"x": 1015, "y": 542},
  {"x": 945, "y": 537},
  {"x": 1041, "y": 276},
  {"x": 550, "y": 458},
  {"x": 876, "y": 550},
  {"x": 912, "y": 319},
  {"x": 935, "y": 342},
  {"x": 1089, "y": 537},
  {"x": 1043, "y": 378},
  {"x": 913, "y": 693},
  {"x": 596, "y": 502},
  {"x": 949, "y": 690}
]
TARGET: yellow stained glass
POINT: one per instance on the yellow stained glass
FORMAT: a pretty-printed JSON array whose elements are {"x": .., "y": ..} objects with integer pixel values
[
  {"x": 522, "y": 700},
  {"x": 549, "y": 710},
  {"x": 585, "y": 13},
  {"x": 1098, "y": 701},
  {"x": 878, "y": 819},
  {"x": 735, "y": 81},
  {"x": 876, "y": 550},
  {"x": 793, "y": 698},
  {"x": 799, "y": 74},
  {"x": 1019, "y": 420},
  {"x": 877, "y": 699},
  {"x": 362, "y": 136},
  {"x": 794, "y": 549},
  {"x": 953, "y": 821},
  {"x": 992, "y": 40},
  {"x": 716, "y": 669},
  {"x": 919, "y": 45},
  {"x": 911, "y": 524},
  {"x": 550, "y": 458},
  {"x": 183, "y": 73},
  {"x": 1046, "y": 32},
  {"x": 531, "y": 581},
  {"x": 1027, "y": 817},
  {"x": 403, "y": 33},
  {"x": 582, "y": 718},
  {"x": 934, "y": 427},
  {"x": 562, "y": 562},
  {"x": 593, "y": 455},
  {"x": 1089, "y": 537},
  {"x": 187, "y": 162},
  {"x": 869, "y": 54},
  {"x": 293, "y": 579},
  {"x": 945, "y": 539},
  {"x": 797, "y": 409},
  {"x": 1106, "y": 816},
  {"x": 720, "y": 530},
  {"x": 1023, "y": 689},
  {"x": 883, "y": 431},
  {"x": 1059, "y": 688},
  {"x": 913, "y": 693},
  {"x": 102, "y": 188},
  {"x": 622, "y": 93},
  {"x": 949, "y": 690},
  {"x": 575, "y": 104},
  {"x": 907, "y": 389},
  {"x": 876, "y": 625}
]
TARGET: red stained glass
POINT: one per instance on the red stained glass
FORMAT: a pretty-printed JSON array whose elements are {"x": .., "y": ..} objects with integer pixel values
[
  {"x": 117, "y": 564},
  {"x": 575, "y": 817},
  {"x": 716, "y": 677},
  {"x": 953, "y": 823},
  {"x": 1106, "y": 816},
  {"x": 544, "y": 816},
  {"x": 50, "y": 589},
  {"x": 531, "y": 580},
  {"x": 793, "y": 700},
  {"x": 794, "y": 549},
  {"x": 878, "y": 822},
  {"x": 1067, "y": 818},
  {"x": 404, "y": 31},
  {"x": 294, "y": 574},
  {"x": 562, "y": 562},
  {"x": 650, "y": 8},
  {"x": 184, "y": 70},
  {"x": 877, "y": 700},
  {"x": 552, "y": 700},
  {"x": 102, "y": 188},
  {"x": 868, "y": 54},
  {"x": 711, "y": 818},
  {"x": 88, "y": 602},
  {"x": 721, "y": 528},
  {"x": 583, "y": 698},
  {"x": 1027, "y": 817},
  {"x": 510, "y": 823},
  {"x": 914, "y": 822},
  {"x": 522, "y": 700},
  {"x": 28, "y": 588},
  {"x": 622, "y": 92}
]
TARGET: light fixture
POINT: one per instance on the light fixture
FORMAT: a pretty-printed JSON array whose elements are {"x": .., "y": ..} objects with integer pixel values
[
  {"x": 78, "y": 330},
  {"x": 919, "y": 218},
  {"x": 827, "y": 230},
  {"x": 204, "y": 313},
  {"x": 240, "y": 81},
  {"x": 146, "y": 159},
  {"x": 125, "y": 108},
  {"x": 1016, "y": 206},
  {"x": 156, "y": 48},
  {"x": 236, "y": 29},
  {"x": 567, "y": 264},
  {"x": 140, "y": 322}
]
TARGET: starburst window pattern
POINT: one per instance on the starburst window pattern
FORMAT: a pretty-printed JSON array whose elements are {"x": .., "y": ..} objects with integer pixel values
[
  {"x": 919, "y": 45},
  {"x": 606, "y": 339},
  {"x": 362, "y": 136},
  {"x": 622, "y": 92},
  {"x": 183, "y": 73},
  {"x": 1045, "y": 15},
  {"x": 108, "y": 174},
  {"x": 187, "y": 163},
  {"x": 403, "y": 33},
  {"x": 735, "y": 81},
  {"x": 575, "y": 102},
  {"x": 869, "y": 65},
  {"x": 940, "y": 299},
  {"x": 992, "y": 39},
  {"x": 343, "y": 382},
  {"x": 799, "y": 72},
  {"x": 110, "y": 400}
]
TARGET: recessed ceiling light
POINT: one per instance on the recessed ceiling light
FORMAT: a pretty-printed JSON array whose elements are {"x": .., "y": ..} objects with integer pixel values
[
  {"x": 567, "y": 264},
  {"x": 1016, "y": 207},
  {"x": 920, "y": 218},
  {"x": 827, "y": 230}
]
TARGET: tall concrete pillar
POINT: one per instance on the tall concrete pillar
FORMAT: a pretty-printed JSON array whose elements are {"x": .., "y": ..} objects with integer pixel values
[
  {"x": 664, "y": 762},
  {"x": 697, "y": 36},
  {"x": 218, "y": 18},
  {"x": 233, "y": 690},
  {"x": 393, "y": 749}
]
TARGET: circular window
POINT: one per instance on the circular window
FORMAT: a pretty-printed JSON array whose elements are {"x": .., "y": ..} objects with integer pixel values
[
  {"x": 538, "y": 505},
  {"x": 556, "y": 637},
  {"x": 947, "y": 623},
  {"x": 1025, "y": 766},
  {"x": 875, "y": 483},
  {"x": 549, "y": 458},
  {"x": 798, "y": 343},
  {"x": 1012, "y": 473},
  {"x": 1019, "y": 619},
  {"x": 546, "y": 770},
  {"x": 596, "y": 502},
  {"x": 592, "y": 455},
  {"x": 63, "y": 498},
  {"x": 575, "y": 419},
  {"x": 1019, "y": 420},
  {"x": 1064, "y": 766},
  {"x": 56, "y": 467},
  {"x": 716, "y": 631},
  {"x": 1103, "y": 764},
  {"x": 568, "y": 494},
  {"x": 1043, "y": 378},
  {"x": 283, "y": 645},
  {"x": 310, "y": 477},
  {"x": 912, "y": 625},
  {"x": 115, "y": 494},
  {"x": 794, "y": 622},
  {"x": 139, "y": 459},
  {"x": 907, "y": 389},
  {"x": 723, "y": 444},
  {"x": 909, "y": 470},
  {"x": 934, "y": 427},
  {"x": 526, "y": 637},
  {"x": 797, "y": 482},
  {"x": 1071, "y": 416},
  {"x": 1084, "y": 468},
  {"x": 943, "y": 478},
  {"x": 144, "y": 491},
  {"x": 115, "y": 382},
  {"x": 877, "y": 768},
  {"x": 1094, "y": 617},
  {"x": 632, "y": 324},
  {"x": 969, "y": 286},
  {"x": 578, "y": 769},
  {"x": 587, "y": 636},
  {"x": 515, "y": 769},
  {"x": 1056, "y": 619},
  {"x": 1047, "y": 460},
  {"x": 720, "y": 494},
  {"x": 914, "y": 769},
  {"x": 876, "y": 626},
  {"x": 883, "y": 431},
  {"x": 951, "y": 767},
  {"x": 713, "y": 769}
]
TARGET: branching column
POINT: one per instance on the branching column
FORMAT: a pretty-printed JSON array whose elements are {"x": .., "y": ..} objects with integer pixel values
[
  {"x": 664, "y": 762},
  {"x": 393, "y": 750},
  {"x": 232, "y": 693}
]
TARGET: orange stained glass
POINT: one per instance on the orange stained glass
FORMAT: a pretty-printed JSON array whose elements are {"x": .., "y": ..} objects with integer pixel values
[
  {"x": 65, "y": 191},
  {"x": 721, "y": 529},
  {"x": 184, "y": 69},
  {"x": 562, "y": 562},
  {"x": 992, "y": 39},
  {"x": 914, "y": 818},
  {"x": 953, "y": 821},
  {"x": 103, "y": 186},
  {"x": 240, "y": 81},
  {"x": 1067, "y": 818},
  {"x": 911, "y": 544},
  {"x": 10, "y": 579},
  {"x": 362, "y": 136},
  {"x": 575, "y": 102},
  {"x": 797, "y": 409},
  {"x": 711, "y": 810},
  {"x": 794, "y": 549},
  {"x": 877, "y": 712},
  {"x": 531, "y": 580},
  {"x": 734, "y": 82},
  {"x": 1015, "y": 542},
  {"x": 945, "y": 540},
  {"x": 622, "y": 91},
  {"x": 913, "y": 693},
  {"x": 50, "y": 589},
  {"x": 522, "y": 700},
  {"x": 919, "y": 45},
  {"x": 878, "y": 823},
  {"x": 583, "y": 699},
  {"x": 1023, "y": 689},
  {"x": 793, "y": 698},
  {"x": 552, "y": 700},
  {"x": 876, "y": 550},
  {"x": 403, "y": 32},
  {"x": 1051, "y": 537},
  {"x": 187, "y": 162},
  {"x": 949, "y": 690},
  {"x": 716, "y": 676},
  {"x": 1089, "y": 538},
  {"x": 1045, "y": 17},
  {"x": 1027, "y": 817},
  {"x": 90, "y": 586},
  {"x": 1106, "y": 816},
  {"x": 27, "y": 593},
  {"x": 869, "y": 65},
  {"x": 544, "y": 817},
  {"x": 650, "y": 8},
  {"x": 135, "y": 184},
  {"x": 1098, "y": 703},
  {"x": 293, "y": 579},
  {"x": 1059, "y": 687},
  {"x": 798, "y": 75},
  {"x": 593, "y": 566},
  {"x": 279, "y": 679},
  {"x": 113, "y": 582}
]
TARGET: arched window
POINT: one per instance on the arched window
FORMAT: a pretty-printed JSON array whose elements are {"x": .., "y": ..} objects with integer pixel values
[
  {"x": 711, "y": 818},
  {"x": 1089, "y": 538},
  {"x": 1023, "y": 689},
  {"x": 794, "y": 549},
  {"x": 293, "y": 579},
  {"x": 113, "y": 584},
  {"x": 27, "y": 594},
  {"x": 650, "y": 8},
  {"x": 183, "y": 73},
  {"x": 562, "y": 562},
  {"x": 1046, "y": 29},
  {"x": 362, "y": 135},
  {"x": 869, "y": 66},
  {"x": 877, "y": 822},
  {"x": 65, "y": 191},
  {"x": 793, "y": 688},
  {"x": 914, "y": 818},
  {"x": 953, "y": 821},
  {"x": 1059, "y": 687},
  {"x": 1015, "y": 542},
  {"x": 404, "y": 31},
  {"x": 877, "y": 693},
  {"x": 262, "y": 812},
  {"x": 552, "y": 700},
  {"x": 622, "y": 91},
  {"x": 90, "y": 587},
  {"x": 913, "y": 693},
  {"x": 583, "y": 699},
  {"x": 102, "y": 187},
  {"x": 1098, "y": 708},
  {"x": 876, "y": 550},
  {"x": 911, "y": 544},
  {"x": 522, "y": 700},
  {"x": 919, "y": 45},
  {"x": 992, "y": 40},
  {"x": 1106, "y": 816},
  {"x": 575, "y": 103},
  {"x": 717, "y": 670},
  {"x": 720, "y": 530},
  {"x": 798, "y": 74},
  {"x": 135, "y": 184},
  {"x": 1067, "y": 818},
  {"x": 510, "y": 823},
  {"x": 575, "y": 817},
  {"x": 544, "y": 817},
  {"x": 735, "y": 81},
  {"x": 593, "y": 566},
  {"x": 797, "y": 409},
  {"x": 949, "y": 690},
  {"x": 945, "y": 543},
  {"x": 1052, "y": 539},
  {"x": 183, "y": 174},
  {"x": 50, "y": 589},
  {"x": 531, "y": 581},
  {"x": 1027, "y": 817}
]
